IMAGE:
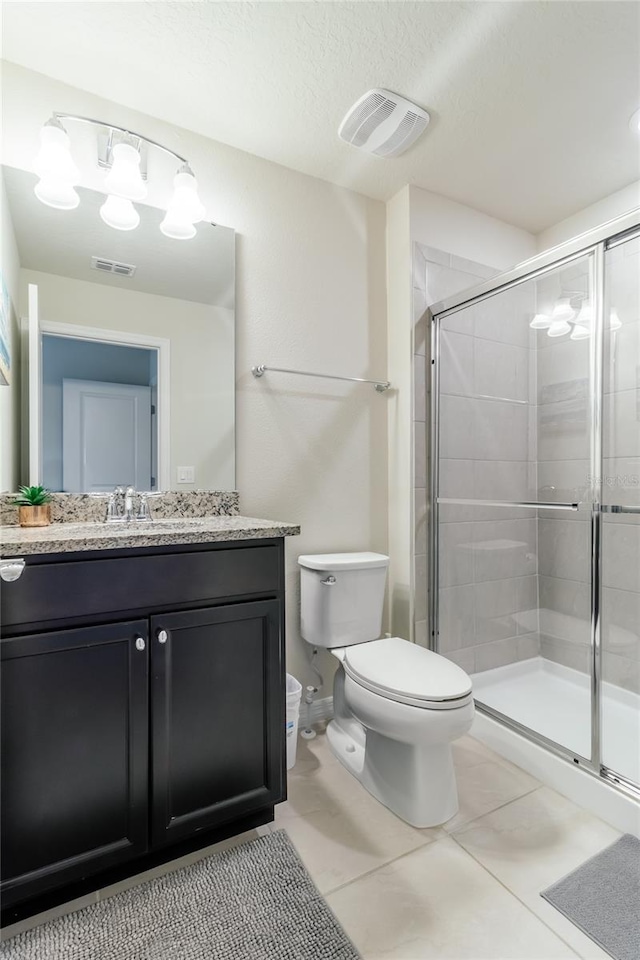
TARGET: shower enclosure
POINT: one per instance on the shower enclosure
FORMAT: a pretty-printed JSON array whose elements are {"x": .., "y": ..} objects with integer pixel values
[{"x": 535, "y": 552}]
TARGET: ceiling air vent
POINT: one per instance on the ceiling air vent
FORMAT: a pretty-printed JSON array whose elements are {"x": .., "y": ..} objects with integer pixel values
[
  {"x": 383, "y": 123},
  {"x": 112, "y": 266}
]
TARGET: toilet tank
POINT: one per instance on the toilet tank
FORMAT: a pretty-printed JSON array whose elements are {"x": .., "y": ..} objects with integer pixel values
[{"x": 341, "y": 597}]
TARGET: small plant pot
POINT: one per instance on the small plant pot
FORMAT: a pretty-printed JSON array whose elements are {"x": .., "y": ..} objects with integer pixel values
[{"x": 35, "y": 516}]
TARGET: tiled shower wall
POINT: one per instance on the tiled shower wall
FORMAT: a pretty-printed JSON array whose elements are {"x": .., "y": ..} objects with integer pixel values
[
  {"x": 564, "y": 444},
  {"x": 515, "y": 583},
  {"x": 621, "y": 480},
  {"x": 564, "y": 427},
  {"x": 436, "y": 275},
  {"x": 488, "y": 609}
]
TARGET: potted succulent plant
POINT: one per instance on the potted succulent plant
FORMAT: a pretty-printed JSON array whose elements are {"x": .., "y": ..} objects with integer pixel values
[{"x": 34, "y": 506}]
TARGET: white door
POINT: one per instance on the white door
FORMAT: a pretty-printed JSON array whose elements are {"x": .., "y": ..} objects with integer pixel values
[
  {"x": 106, "y": 436},
  {"x": 34, "y": 390}
]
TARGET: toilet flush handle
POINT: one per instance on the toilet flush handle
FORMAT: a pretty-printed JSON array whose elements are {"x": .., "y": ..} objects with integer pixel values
[{"x": 329, "y": 581}]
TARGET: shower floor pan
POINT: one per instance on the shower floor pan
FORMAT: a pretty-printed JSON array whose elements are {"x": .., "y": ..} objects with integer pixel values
[{"x": 555, "y": 701}]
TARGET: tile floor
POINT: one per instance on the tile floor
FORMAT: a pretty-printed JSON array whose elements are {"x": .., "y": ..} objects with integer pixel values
[{"x": 467, "y": 890}]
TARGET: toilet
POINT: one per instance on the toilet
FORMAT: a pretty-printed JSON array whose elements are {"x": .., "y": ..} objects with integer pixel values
[{"x": 397, "y": 706}]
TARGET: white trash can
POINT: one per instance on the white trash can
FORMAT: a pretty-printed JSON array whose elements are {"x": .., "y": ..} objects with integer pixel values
[{"x": 294, "y": 695}]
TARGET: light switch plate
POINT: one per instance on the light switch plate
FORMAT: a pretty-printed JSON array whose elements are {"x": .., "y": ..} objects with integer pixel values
[{"x": 186, "y": 475}]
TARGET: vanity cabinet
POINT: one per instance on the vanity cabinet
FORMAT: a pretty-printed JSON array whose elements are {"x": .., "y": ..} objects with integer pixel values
[
  {"x": 215, "y": 737},
  {"x": 74, "y": 742},
  {"x": 142, "y": 711}
]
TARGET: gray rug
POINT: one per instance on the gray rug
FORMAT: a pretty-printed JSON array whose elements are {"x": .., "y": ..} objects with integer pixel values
[
  {"x": 602, "y": 897},
  {"x": 252, "y": 902}
]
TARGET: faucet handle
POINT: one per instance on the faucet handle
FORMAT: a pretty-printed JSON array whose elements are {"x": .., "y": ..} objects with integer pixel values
[
  {"x": 113, "y": 505},
  {"x": 143, "y": 509}
]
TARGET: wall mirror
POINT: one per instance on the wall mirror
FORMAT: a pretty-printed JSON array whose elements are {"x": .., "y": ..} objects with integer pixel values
[{"x": 127, "y": 353}]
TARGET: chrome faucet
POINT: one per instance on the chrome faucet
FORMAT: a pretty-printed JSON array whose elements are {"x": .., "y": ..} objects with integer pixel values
[{"x": 121, "y": 509}]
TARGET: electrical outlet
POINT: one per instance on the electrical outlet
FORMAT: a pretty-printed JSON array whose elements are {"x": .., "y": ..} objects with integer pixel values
[{"x": 186, "y": 475}]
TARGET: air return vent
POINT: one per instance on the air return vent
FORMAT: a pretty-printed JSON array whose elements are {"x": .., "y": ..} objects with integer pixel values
[
  {"x": 383, "y": 123},
  {"x": 113, "y": 266}
]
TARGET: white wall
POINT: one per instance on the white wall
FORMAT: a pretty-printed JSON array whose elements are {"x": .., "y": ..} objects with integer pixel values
[
  {"x": 400, "y": 337},
  {"x": 201, "y": 343},
  {"x": 10, "y": 393},
  {"x": 467, "y": 233},
  {"x": 615, "y": 205},
  {"x": 311, "y": 295}
]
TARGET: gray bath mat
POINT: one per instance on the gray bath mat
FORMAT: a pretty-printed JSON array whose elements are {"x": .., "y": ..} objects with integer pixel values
[
  {"x": 602, "y": 897},
  {"x": 253, "y": 902}
]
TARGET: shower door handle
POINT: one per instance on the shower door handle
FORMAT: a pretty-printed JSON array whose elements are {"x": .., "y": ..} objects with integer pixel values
[{"x": 620, "y": 508}]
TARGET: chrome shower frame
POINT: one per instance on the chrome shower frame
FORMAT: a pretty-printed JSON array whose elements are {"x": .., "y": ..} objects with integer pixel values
[{"x": 593, "y": 244}]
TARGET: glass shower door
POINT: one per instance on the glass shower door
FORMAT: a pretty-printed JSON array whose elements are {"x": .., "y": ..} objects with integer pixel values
[
  {"x": 515, "y": 379},
  {"x": 620, "y": 603}
]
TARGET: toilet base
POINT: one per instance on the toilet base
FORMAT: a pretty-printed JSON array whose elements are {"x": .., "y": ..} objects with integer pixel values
[{"x": 416, "y": 782}]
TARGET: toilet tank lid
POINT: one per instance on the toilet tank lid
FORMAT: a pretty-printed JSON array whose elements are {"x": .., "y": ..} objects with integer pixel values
[{"x": 343, "y": 561}]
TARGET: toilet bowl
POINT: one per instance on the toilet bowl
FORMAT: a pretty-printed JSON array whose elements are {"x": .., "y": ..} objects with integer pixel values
[{"x": 397, "y": 706}]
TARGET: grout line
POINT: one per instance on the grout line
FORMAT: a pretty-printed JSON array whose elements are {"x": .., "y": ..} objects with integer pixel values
[
  {"x": 387, "y": 863},
  {"x": 519, "y": 898},
  {"x": 428, "y": 843},
  {"x": 539, "y": 785}
]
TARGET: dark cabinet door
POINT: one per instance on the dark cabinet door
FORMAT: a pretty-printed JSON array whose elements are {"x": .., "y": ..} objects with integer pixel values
[
  {"x": 217, "y": 713},
  {"x": 74, "y": 742}
]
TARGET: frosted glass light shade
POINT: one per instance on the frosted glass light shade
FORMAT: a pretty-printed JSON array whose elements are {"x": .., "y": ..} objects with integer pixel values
[
  {"x": 185, "y": 201},
  {"x": 558, "y": 328},
  {"x": 56, "y": 194},
  {"x": 585, "y": 317},
  {"x": 54, "y": 161},
  {"x": 119, "y": 213},
  {"x": 124, "y": 179},
  {"x": 185, "y": 208},
  {"x": 580, "y": 333},
  {"x": 562, "y": 310},
  {"x": 614, "y": 320},
  {"x": 177, "y": 228},
  {"x": 540, "y": 322}
]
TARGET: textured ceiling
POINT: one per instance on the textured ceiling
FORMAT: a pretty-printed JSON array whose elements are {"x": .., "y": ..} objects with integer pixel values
[{"x": 530, "y": 101}]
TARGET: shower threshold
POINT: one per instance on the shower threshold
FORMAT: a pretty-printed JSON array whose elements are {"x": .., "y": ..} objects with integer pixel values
[{"x": 555, "y": 701}]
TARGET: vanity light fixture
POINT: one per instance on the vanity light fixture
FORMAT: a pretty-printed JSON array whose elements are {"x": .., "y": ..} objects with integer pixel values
[
  {"x": 558, "y": 328},
  {"x": 580, "y": 333},
  {"x": 540, "y": 322},
  {"x": 614, "y": 320},
  {"x": 121, "y": 152},
  {"x": 55, "y": 167},
  {"x": 124, "y": 179},
  {"x": 580, "y": 326},
  {"x": 119, "y": 213},
  {"x": 562, "y": 310},
  {"x": 185, "y": 208}
]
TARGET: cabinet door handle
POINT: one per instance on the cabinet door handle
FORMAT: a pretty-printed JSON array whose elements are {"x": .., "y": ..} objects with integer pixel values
[
  {"x": 140, "y": 644},
  {"x": 10, "y": 570},
  {"x": 163, "y": 636}
]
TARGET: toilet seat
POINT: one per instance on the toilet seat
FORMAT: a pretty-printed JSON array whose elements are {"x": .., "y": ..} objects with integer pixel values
[{"x": 398, "y": 670}]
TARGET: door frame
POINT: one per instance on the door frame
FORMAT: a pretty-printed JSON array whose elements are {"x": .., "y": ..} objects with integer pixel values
[{"x": 143, "y": 341}]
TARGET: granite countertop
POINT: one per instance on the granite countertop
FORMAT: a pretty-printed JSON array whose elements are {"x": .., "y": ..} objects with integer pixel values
[{"x": 71, "y": 537}]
